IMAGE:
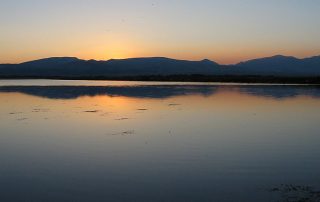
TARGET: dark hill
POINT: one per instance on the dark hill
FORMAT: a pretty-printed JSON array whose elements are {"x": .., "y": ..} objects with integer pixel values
[{"x": 283, "y": 66}]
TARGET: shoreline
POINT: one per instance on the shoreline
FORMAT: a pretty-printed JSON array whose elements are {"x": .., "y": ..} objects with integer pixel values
[{"x": 183, "y": 78}]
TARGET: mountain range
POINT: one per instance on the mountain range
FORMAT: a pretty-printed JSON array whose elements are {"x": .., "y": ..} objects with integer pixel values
[{"x": 278, "y": 65}]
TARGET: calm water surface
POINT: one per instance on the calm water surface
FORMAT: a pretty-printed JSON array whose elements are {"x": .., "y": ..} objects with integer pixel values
[{"x": 143, "y": 141}]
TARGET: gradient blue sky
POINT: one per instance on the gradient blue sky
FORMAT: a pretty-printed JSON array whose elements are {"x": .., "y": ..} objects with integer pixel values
[{"x": 227, "y": 31}]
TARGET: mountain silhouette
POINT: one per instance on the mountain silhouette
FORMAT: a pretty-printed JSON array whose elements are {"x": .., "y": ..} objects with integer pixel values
[
  {"x": 280, "y": 65},
  {"x": 73, "y": 67},
  {"x": 51, "y": 61}
]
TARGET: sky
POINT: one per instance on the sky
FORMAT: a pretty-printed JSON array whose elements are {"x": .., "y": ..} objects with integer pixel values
[{"x": 226, "y": 31}]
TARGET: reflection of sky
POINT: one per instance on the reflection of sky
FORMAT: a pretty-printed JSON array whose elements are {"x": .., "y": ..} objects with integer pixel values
[
  {"x": 229, "y": 145},
  {"x": 225, "y": 31}
]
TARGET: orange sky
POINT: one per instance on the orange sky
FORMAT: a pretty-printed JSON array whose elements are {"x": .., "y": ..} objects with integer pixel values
[{"x": 224, "y": 31}]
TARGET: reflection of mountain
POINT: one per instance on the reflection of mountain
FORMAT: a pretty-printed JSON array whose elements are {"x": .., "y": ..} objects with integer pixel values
[
  {"x": 72, "y": 92},
  {"x": 161, "y": 91},
  {"x": 280, "y": 92}
]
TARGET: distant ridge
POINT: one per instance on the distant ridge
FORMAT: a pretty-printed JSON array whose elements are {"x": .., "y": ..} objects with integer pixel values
[{"x": 278, "y": 65}]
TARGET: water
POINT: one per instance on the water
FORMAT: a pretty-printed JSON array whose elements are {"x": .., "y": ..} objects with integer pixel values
[{"x": 148, "y": 141}]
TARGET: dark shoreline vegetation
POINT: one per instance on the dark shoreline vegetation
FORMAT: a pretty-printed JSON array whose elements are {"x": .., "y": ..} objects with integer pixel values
[{"x": 185, "y": 78}]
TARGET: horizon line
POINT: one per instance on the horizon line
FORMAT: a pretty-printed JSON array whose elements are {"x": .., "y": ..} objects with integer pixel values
[{"x": 165, "y": 57}]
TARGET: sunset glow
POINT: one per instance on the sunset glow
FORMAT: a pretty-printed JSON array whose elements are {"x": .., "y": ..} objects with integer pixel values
[{"x": 223, "y": 31}]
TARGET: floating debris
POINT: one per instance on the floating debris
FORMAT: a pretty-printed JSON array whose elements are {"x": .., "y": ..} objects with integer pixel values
[
  {"x": 13, "y": 113},
  {"x": 173, "y": 104},
  {"x": 129, "y": 132},
  {"x": 121, "y": 119},
  {"x": 91, "y": 111},
  {"x": 142, "y": 109}
]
